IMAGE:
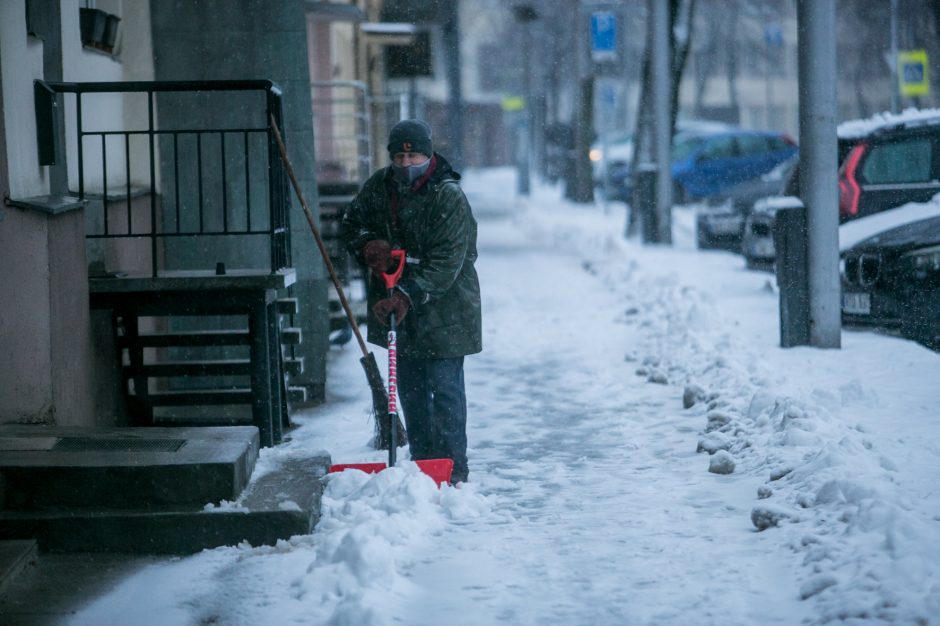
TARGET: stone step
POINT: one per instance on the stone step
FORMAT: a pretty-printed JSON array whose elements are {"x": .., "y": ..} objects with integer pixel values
[
  {"x": 56, "y": 468},
  {"x": 15, "y": 556},
  {"x": 294, "y": 366},
  {"x": 291, "y": 336},
  {"x": 281, "y": 503},
  {"x": 194, "y": 367},
  {"x": 200, "y": 396},
  {"x": 287, "y": 306},
  {"x": 190, "y": 338},
  {"x": 297, "y": 393}
]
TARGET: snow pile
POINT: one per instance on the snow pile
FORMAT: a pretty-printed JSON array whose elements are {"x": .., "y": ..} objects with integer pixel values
[
  {"x": 349, "y": 572},
  {"x": 858, "y": 230},
  {"x": 854, "y": 129},
  {"x": 868, "y": 552},
  {"x": 371, "y": 527}
]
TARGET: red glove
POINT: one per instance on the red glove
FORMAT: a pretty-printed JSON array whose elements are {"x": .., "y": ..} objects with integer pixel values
[
  {"x": 378, "y": 255},
  {"x": 397, "y": 303}
]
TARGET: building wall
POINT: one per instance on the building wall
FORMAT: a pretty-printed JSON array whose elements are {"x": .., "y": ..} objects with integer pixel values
[
  {"x": 22, "y": 63},
  {"x": 45, "y": 322},
  {"x": 256, "y": 39}
]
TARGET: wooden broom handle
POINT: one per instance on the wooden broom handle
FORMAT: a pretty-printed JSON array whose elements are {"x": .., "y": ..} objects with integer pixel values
[{"x": 316, "y": 235}]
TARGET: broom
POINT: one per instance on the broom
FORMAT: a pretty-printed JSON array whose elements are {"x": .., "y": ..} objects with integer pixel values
[{"x": 382, "y": 437}]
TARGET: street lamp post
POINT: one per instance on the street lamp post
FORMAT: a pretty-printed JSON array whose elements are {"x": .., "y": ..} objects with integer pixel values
[{"x": 525, "y": 14}]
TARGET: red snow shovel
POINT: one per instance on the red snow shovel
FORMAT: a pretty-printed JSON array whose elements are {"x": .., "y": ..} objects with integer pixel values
[{"x": 438, "y": 469}]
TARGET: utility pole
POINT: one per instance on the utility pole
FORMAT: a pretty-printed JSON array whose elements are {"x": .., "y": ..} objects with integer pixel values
[
  {"x": 451, "y": 36},
  {"x": 895, "y": 104},
  {"x": 661, "y": 116},
  {"x": 816, "y": 20},
  {"x": 525, "y": 15},
  {"x": 582, "y": 189}
]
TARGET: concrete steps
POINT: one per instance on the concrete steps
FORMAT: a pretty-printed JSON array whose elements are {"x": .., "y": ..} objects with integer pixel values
[
  {"x": 150, "y": 490},
  {"x": 124, "y": 468}
]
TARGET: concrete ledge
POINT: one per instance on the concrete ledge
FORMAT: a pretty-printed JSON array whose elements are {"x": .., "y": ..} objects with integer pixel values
[
  {"x": 50, "y": 205},
  {"x": 280, "y": 504},
  {"x": 196, "y": 280},
  {"x": 57, "y": 468}
]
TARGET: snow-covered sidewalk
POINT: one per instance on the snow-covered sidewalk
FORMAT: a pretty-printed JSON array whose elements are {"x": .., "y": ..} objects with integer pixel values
[{"x": 614, "y": 376}]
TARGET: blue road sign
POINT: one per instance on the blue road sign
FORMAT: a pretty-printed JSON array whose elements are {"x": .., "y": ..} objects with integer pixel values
[{"x": 603, "y": 36}]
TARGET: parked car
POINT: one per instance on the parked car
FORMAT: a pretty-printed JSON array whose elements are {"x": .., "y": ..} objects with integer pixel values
[
  {"x": 919, "y": 282},
  {"x": 892, "y": 280},
  {"x": 610, "y": 152},
  {"x": 720, "y": 221},
  {"x": 618, "y": 170},
  {"x": 896, "y": 163},
  {"x": 757, "y": 239},
  {"x": 706, "y": 165},
  {"x": 886, "y": 267}
]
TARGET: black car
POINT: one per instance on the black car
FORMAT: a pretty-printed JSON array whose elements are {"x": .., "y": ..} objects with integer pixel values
[
  {"x": 893, "y": 165},
  {"x": 892, "y": 280},
  {"x": 720, "y": 222}
]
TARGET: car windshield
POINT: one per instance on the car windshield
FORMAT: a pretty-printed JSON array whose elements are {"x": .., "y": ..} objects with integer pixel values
[{"x": 683, "y": 146}]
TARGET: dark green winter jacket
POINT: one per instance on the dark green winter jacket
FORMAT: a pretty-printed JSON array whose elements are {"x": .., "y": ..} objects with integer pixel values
[{"x": 436, "y": 228}]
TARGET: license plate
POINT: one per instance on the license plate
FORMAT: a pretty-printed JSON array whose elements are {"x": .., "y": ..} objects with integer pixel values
[
  {"x": 725, "y": 225},
  {"x": 763, "y": 248},
  {"x": 856, "y": 303}
]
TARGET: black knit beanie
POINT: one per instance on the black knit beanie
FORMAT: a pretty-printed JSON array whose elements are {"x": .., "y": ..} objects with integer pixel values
[{"x": 410, "y": 136}]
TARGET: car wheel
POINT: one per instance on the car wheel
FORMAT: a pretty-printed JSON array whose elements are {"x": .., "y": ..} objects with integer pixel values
[
  {"x": 922, "y": 333},
  {"x": 703, "y": 241},
  {"x": 679, "y": 196}
]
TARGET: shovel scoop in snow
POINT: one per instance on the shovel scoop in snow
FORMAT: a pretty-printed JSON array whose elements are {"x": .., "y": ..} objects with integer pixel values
[{"x": 438, "y": 469}]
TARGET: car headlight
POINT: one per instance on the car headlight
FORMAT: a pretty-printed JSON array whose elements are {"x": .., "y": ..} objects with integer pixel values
[
  {"x": 594, "y": 154},
  {"x": 924, "y": 261}
]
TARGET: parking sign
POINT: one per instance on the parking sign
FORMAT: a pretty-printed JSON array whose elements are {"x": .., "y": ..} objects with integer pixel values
[{"x": 603, "y": 36}]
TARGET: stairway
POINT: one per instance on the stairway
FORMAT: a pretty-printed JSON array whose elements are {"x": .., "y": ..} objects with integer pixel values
[
  {"x": 202, "y": 377},
  {"x": 206, "y": 350},
  {"x": 333, "y": 198}
]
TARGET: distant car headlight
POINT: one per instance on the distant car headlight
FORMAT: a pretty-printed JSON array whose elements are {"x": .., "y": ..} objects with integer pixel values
[
  {"x": 595, "y": 154},
  {"x": 924, "y": 261}
]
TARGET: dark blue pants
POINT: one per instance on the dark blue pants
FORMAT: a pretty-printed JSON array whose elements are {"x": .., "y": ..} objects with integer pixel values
[{"x": 435, "y": 404}]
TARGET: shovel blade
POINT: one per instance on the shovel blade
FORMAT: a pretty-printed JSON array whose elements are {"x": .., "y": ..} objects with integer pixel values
[{"x": 438, "y": 469}]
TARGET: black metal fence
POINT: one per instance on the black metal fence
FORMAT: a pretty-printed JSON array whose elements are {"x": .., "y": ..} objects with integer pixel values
[{"x": 210, "y": 170}]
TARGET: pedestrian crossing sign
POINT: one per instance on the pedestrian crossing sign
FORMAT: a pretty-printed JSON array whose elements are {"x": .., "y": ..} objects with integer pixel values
[{"x": 912, "y": 73}]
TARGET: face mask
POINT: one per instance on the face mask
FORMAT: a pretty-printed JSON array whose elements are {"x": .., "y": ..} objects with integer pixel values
[{"x": 408, "y": 174}]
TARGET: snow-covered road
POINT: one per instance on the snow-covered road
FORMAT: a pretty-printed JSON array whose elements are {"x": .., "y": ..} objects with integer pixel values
[{"x": 588, "y": 501}]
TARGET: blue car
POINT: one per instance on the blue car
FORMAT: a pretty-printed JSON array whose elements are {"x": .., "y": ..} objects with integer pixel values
[{"x": 704, "y": 164}]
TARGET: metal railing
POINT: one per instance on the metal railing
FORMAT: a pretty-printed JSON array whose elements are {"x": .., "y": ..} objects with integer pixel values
[
  {"x": 342, "y": 137},
  {"x": 210, "y": 174}
]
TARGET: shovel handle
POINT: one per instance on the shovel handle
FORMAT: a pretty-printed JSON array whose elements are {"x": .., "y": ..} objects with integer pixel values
[{"x": 392, "y": 279}]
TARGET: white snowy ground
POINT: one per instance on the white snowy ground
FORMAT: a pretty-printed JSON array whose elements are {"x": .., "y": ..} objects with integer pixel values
[{"x": 591, "y": 500}]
